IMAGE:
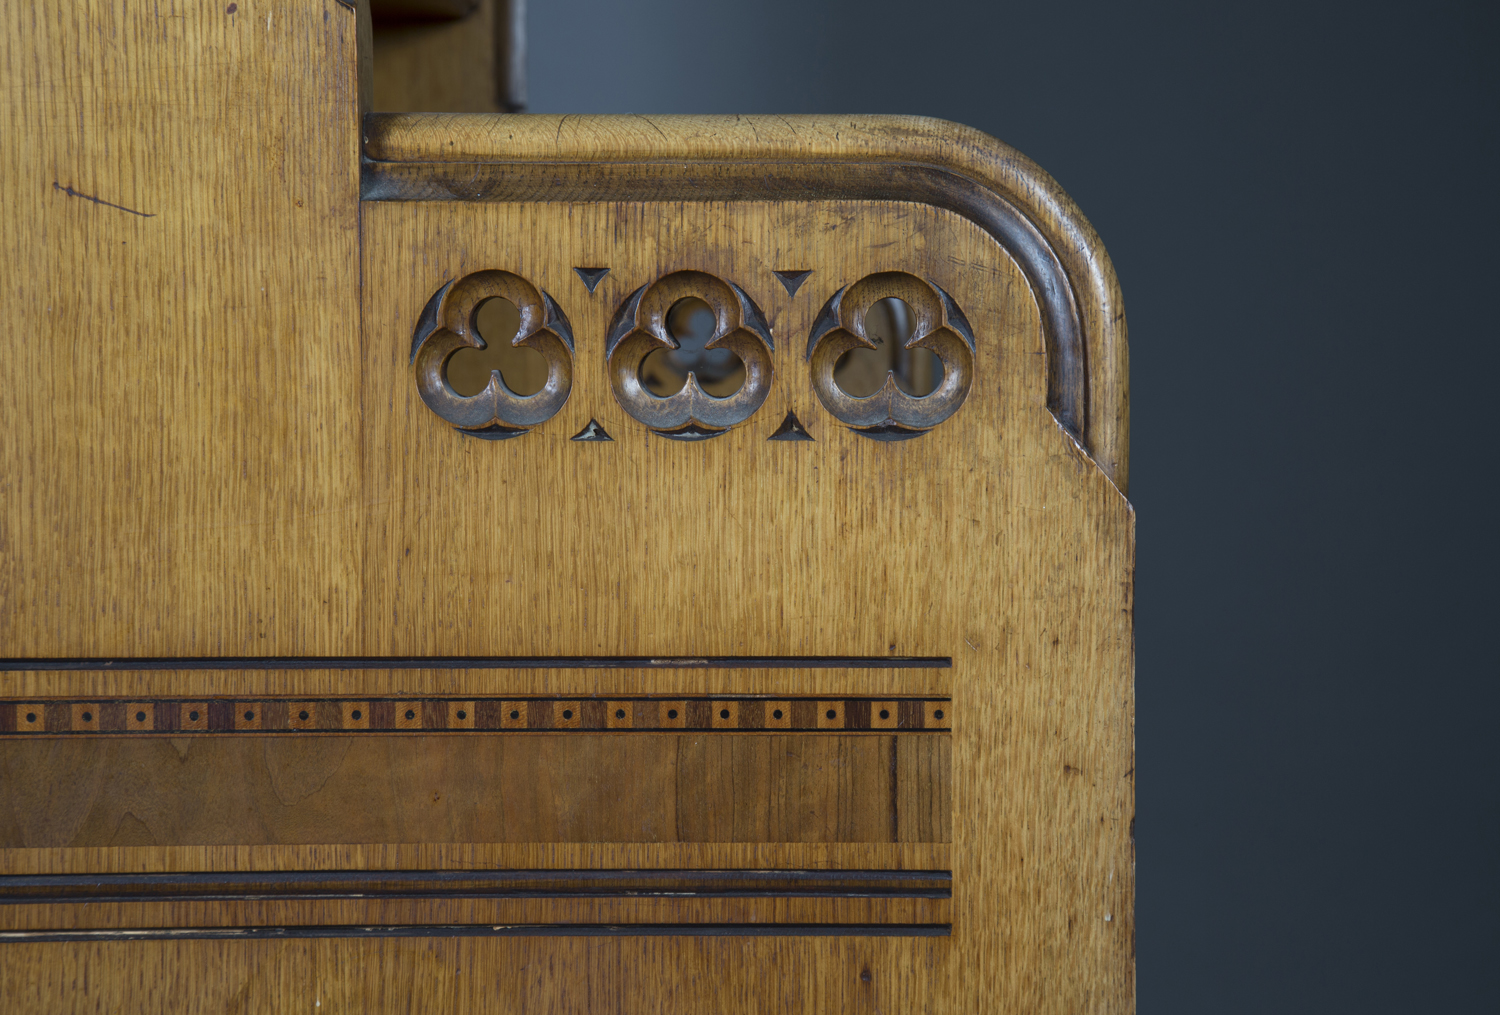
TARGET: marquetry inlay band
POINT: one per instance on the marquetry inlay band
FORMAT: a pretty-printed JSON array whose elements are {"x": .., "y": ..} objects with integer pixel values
[{"x": 178, "y": 716}]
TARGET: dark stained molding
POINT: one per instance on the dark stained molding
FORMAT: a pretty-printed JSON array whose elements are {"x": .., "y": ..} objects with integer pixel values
[{"x": 189, "y": 663}]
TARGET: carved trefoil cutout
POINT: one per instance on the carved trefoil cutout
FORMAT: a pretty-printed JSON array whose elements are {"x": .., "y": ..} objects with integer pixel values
[
  {"x": 929, "y": 326},
  {"x": 449, "y": 324},
  {"x": 732, "y": 325}
]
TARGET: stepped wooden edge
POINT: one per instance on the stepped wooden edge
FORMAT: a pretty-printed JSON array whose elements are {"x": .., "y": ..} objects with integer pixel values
[{"x": 522, "y": 157}]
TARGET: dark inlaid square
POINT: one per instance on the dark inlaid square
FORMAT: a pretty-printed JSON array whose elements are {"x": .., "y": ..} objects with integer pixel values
[
  {"x": 168, "y": 716},
  {"x": 909, "y": 716},
  {"x": 273, "y": 715},
  {"x": 539, "y": 715},
  {"x": 329, "y": 715},
  {"x": 700, "y": 714},
  {"x": 804, "y": 715},
  {"x": 753, "y": 714},
  {"x": 112, "y": 715},
  {"x": 382, "y": 715},
  {"x": 221, "y": 715},
  {"x": 595, "y": 714},
  {"x": 857, "y": 714},
  {"x": 489, "y": 715}
]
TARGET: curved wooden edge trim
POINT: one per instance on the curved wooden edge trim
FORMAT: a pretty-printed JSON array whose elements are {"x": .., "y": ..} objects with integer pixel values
[{"x": 821, "y": 157}]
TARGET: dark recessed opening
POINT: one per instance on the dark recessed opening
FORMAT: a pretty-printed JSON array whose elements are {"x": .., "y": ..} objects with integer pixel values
[
  {"x": 671, "y": 713},
  {"x": 523, "y": 369},
  {"x": 300, "y": 715},
  {"x": 249, "y": 716},
  {"x": 140, "y": 717},
  {"x": 619, "y": 713},
  {"x": 31, "y": 717},
  {"x": 410, "y": 715},
  {"x": 567, "y": 713},
  {"x": 938, "y": 714},
  {"x": 885, "y": 713},
  {"x": 888, "y": 323},
  {"x": 723, "y": 713},
  {"x": 776, "y": 714},
  {"x": 88, "y": 717},
  {"x": 355, "y": 715},
  {"x": 514, "y": 714},
  {"x": 462, "y": 714},
  {"x": 832, "y": 714},
  {"x": 692, "y": 323},
  {"x": 193, "y": 716}
]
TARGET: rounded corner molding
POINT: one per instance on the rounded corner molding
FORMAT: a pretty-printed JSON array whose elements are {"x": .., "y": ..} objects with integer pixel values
[
  {"x": 940, "y": 326},
  {"x": 413, "y": 157},
  {"x": 640, "y": 328},
  {"x": 447, "y": 325}
]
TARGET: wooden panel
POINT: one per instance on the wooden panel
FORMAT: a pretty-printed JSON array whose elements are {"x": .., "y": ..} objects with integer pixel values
[
  {"x": 221, "y": 452},
  {"x": 182, "y": 242},
  {"x": 247, "y": 791}
]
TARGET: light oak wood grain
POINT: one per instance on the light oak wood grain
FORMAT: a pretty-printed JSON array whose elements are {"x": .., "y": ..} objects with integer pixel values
[{"x": 217, "y": 447}]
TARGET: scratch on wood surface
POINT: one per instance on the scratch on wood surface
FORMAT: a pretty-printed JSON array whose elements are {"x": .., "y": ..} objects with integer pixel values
[
  {"x": 654, "y": 126},
  {"x": 108, "y": 204}
]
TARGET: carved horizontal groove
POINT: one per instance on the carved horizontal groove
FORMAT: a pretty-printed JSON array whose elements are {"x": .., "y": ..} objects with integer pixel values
[
  {"x": 833, "y": 180},
  {"x": 11, "y": 881},
  {"x": 486, "y": 930},
  {"x": 252, "y": 715},
  {"x": 240, "y": 886},
  {"x": 482, "y": 663}
]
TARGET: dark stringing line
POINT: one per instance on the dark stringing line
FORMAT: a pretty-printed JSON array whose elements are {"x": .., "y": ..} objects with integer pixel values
[
  {"x": 489, "y": 930},
  {"x": 480, "y": 663}
]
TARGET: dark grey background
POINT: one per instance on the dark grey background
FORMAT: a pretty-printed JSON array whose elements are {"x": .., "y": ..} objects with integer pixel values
[{"x": 1300, "y": 202}]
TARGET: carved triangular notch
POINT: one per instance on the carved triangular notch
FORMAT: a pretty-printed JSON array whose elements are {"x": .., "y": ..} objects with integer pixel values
[
  {"x": 791, "y": 429},
  {"x": 592, "y": 432},
  {"x": 591, "y": 277},
  {"x": 792, "y": 280}
]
